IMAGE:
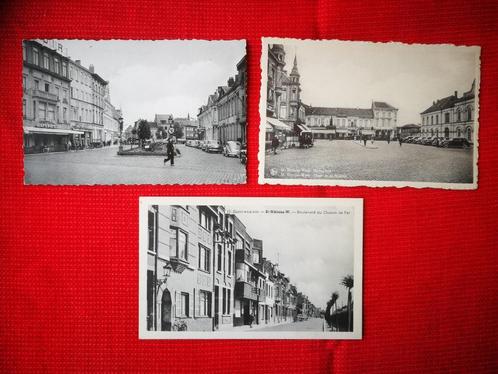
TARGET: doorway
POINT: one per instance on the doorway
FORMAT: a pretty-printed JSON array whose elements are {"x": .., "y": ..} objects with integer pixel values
[{"x": 166, "y": 311}]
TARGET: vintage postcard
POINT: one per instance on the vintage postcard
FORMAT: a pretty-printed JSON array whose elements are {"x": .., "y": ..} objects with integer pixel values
[
  {"x": 346, "y": 113},
  {"x": 250, "y": 268},
  {"x": 134, "y": 111}
]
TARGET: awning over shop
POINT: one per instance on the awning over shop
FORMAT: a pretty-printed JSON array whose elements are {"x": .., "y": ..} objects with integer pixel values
[
  {"x": 368, "y": 132},
  {"x": 39, "y": 130},
  {"x": 303, "y": 128},
  {"x": 342, "y": 131},
  {"x": 278, "y": 125},
  {"x": 268, "y": 127},
  {"x": 323, "y": 131}
]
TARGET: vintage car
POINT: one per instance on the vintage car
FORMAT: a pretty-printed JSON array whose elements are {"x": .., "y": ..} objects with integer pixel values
[
  {"x": 213, "y": 146},
  {"x": 231, "y": 149},
  {"x": 456, "y": 143}
]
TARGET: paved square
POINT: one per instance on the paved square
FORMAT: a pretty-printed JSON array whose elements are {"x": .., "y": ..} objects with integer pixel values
[
  {"x": 104, "y": 166},
  {"x": 380, "y": 161}
]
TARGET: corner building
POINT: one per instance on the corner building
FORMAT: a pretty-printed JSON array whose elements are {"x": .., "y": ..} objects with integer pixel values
[{"x": 180, "y": 268}]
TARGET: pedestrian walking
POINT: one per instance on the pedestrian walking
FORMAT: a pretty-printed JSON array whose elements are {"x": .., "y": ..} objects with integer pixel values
[
  {"x": 251, "y": 320},
  {"x": 365, "y": 140},
  {"x": 400, "y": 141},
  {"x": 274, "y": 144},
  {"x": 388, "y": 139},
  {"x": 170, "y": 152}
]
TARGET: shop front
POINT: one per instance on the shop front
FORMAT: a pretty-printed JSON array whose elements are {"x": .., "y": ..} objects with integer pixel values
[{"x": 45, "y": 139}]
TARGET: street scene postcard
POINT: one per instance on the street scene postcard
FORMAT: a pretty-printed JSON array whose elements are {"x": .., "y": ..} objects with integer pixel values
[
  {"x": 134, "y": 112},
  {"x": 250, "y": 268},
  {"x": 368, "y": 114}
]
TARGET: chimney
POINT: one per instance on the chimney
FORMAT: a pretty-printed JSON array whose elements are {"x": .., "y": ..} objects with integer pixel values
[
  {"x": 78, "y": 62},
  {"x": 230, "y": 82},
  {"x": 456, "y": 93},
  {"x": 91, "y": 68}
]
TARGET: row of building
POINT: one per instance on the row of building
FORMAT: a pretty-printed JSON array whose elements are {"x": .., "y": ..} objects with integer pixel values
[
  {"x": 206, "y": 272},
  {"x": 223, "y": 117},
  {"x": 164, "y": 122},
  {"x": 286, "y": 114},
  {"x": 64, "y": 103}
]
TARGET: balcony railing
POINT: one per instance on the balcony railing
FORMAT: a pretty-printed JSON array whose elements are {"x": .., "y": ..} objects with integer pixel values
[{"x": 44, "y": 95}]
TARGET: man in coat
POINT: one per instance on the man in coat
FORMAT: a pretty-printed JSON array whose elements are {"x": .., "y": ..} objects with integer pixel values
[{"x": 170, "y": 152}]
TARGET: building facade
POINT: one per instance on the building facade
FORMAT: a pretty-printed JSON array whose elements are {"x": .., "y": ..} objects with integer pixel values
[
  {"x": 379, "y": 121},
  {"x": 179, "y": 268},
  {"x": 46, "y": 101},
  {"x": 88, "y": 91},
  {"x": 111, "y": 119},
  {"x": 206, "y": 273},
  {"x": 451, "y": 117},
  {"x": 284, "y": 109},
  {"x": 223, "y": 118}
]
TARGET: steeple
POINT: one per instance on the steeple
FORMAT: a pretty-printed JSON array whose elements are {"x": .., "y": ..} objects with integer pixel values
[{"x": 294, "y": 68}]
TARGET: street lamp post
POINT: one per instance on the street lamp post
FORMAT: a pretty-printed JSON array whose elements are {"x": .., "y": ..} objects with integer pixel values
[{"x": 120, "y": 120}]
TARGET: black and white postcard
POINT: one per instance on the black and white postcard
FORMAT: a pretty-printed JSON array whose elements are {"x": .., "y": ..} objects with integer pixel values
[
  {"x": 250, "y": 268},
  {"x": 134, "y": 111},
  {"x": 368, "y": 114}
]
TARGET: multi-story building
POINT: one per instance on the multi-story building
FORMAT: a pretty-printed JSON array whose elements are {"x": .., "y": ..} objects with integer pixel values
[
  {"x": 46, "y": 102},
  {"x": 248, "y": 277},
  {"x": 208, "y": 119},
  {"x": 88, "y": 91},
  {"x": 111, "y": 119},
  {"x": 223, "y": 118},
  {"x": 268, "y": 302},
  {"x": 223, "y": 269},
  {"x": 180, "y": 268},
  {"x": 379, "y": 121},
  {"x": 284, "y": 109},
  {"x": 451, "y": 116},
  {"x": 232, "y": 106},
  {"x": 189, "y": 127}
]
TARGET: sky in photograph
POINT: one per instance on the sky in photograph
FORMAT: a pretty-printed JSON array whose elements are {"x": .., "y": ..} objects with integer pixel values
[
  {"x": 353, "y": 74},
  {"x": 315, "y": 251},
  {"x": 149, "y": 77}
]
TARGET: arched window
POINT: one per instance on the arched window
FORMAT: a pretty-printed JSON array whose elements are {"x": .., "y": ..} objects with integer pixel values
[
  {"x": 459, "y": 132},
  {"x": 446, "y": 133},
  {"x": 469, "y": 113}
]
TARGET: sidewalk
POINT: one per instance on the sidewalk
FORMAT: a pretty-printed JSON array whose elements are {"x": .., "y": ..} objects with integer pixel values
[{"x": 254, "y": 327}]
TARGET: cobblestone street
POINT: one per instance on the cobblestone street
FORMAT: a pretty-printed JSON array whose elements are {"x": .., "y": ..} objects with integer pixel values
[
  {"x": 350, "y": 160},
  {"x": 104, "y": 166}
]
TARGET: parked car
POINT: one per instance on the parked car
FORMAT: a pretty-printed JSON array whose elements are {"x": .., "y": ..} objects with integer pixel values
[
  {"x": 419, "y": 140},
  {"x": 189, "y": 143},
  {"x": 408, "y": 139},
  {"x": 231, "y": 149},
  {"x": 214, "y": 146},
  {"x": 437, "y": 141},
  {"x": 243, "y": 154},
  {"x": 148, "y": 145},
  {"x": 457, "y": 143},
  {"x": 429, "y": 140}
]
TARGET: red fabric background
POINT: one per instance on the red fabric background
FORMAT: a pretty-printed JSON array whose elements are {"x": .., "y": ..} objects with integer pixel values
[{"x": 68, "y": 257}]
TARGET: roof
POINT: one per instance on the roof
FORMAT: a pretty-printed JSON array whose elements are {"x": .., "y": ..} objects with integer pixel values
[
  {"x": 450, "y": 101},
  {"x": 444, "y": 103},
  {"x": 381, "y": 105},
  {"x": 338, "y": 112},
  {"x": 279, "y": 125},
  {"x": 410, "y": 126}
]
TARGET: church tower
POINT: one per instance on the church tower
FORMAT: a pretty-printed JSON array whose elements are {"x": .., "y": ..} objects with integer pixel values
[{"x": 294, "y": 91}]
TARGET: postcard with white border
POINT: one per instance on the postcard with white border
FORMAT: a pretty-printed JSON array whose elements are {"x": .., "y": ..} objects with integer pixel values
[
  {"x": 250, "y": 268},
  {"x": 347, "y": 113}
]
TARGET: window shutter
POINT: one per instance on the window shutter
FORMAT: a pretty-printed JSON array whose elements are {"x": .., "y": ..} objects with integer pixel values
[
  {"x": 178, "y": 304},
  {"x": 197, "y": 301}
]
